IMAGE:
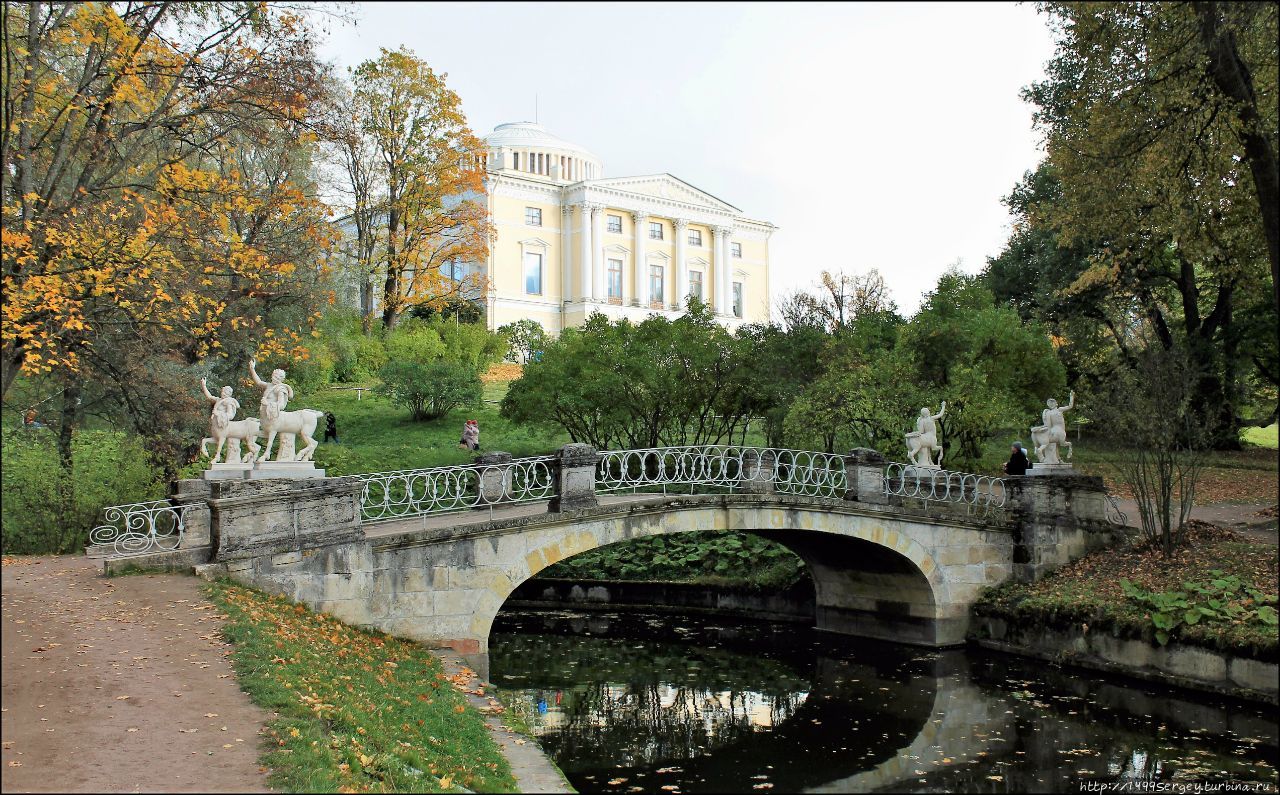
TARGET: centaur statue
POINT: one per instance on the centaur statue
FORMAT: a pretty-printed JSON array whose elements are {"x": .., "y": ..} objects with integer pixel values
[
  {"x": 275, "y": 420},
  {"x": 224, "y": 428}
]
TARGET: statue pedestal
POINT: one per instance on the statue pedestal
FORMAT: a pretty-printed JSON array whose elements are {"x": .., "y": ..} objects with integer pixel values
[
  {"x": 227, "y": 472},
  {"x": 920, "y": 472},
  {"x": 1045, "y": 470},
  {"x": 292, "y": 470}
]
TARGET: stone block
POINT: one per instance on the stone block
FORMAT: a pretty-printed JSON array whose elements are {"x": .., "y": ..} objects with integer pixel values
[
  {"x": 1254, "y": 674},
  {"x": 456, "y": 603},
  {"x": 1196, "y": 663},
  {"x": 286, "y": 558},
  {"x": 421, "y": 603},
  {"x": 576, "y": 479}
]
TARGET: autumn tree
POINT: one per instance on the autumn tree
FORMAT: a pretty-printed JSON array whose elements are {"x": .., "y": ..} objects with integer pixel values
[
  {"x": 156, "y": 204},
  {"x": 840, "y": 298},
  {"x": 427, "y": 188}
]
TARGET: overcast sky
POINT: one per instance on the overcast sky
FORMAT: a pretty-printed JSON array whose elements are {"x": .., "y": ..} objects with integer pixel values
[{"x": 873, "y": 135}]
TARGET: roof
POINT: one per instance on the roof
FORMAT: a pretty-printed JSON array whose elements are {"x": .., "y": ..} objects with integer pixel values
[{"x": 526, "y": 133}]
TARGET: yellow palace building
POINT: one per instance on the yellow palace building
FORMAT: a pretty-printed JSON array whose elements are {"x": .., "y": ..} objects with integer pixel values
[{"x": 570, "y": 241}]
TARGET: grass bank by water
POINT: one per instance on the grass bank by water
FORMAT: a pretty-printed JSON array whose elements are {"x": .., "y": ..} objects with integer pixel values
[
  {"x": 1089, "y": 592},
  {"x": 358, "y": 711}
]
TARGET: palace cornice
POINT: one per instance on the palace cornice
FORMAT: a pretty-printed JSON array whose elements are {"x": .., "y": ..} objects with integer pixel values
[{"x": 577, "y": 193}]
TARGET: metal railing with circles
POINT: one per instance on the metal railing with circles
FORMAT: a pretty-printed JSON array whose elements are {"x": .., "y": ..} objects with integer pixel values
[
  {"x": 138, "y": 528},
  {"x": 722, "y": 468},
  {"x": 413, "y": 492},
  {"x": 981, "y": 493}
]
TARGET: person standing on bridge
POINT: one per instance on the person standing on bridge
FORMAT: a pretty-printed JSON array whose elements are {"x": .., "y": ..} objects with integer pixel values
[{"x": 1017, "y": 463}]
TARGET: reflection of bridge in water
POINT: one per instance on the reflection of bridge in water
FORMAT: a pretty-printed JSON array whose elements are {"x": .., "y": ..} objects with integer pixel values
[
  {"x": 882, "y": 715},
  {"x": 873, "y": 717},
  {"x": 895, "y": 552}
]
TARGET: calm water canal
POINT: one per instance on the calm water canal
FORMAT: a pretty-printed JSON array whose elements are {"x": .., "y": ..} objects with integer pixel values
[{"x": 634, "y": 702}]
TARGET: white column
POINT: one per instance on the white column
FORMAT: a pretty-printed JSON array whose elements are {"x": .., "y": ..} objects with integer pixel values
[
  {"x": 721, "y": 287},
  {"x": 639, "y": 260},
  {"x": 681, "y": 276},
  {"x": 584, "y": 263},
  {"x": 566, "y": 257},
  {"x": 597, "y": 253}
]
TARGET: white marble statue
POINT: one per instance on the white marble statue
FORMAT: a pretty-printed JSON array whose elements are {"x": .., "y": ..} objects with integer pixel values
[
  {"x": 225, "y": 429},
  {"x": 1047, "y": 437},
  {"x": 922, "y": 444},
  {"x": 275, "y": 420}
]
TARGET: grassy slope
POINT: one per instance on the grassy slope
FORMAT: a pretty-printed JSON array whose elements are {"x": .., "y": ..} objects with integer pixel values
[
  {"x": 379, "y": 437},
  {"x": 1088, "y": 591},
  {"x": 357, "y": 711}
]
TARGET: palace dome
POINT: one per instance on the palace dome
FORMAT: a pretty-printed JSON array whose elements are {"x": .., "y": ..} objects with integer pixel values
[{"x": 527, "y": 147}]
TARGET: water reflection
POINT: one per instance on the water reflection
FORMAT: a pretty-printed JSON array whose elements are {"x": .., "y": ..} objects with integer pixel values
[{"x": 635, "y": 702}]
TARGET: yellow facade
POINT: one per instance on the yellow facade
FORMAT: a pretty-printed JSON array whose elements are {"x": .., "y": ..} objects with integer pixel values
[{"x": 564, "y": 248}]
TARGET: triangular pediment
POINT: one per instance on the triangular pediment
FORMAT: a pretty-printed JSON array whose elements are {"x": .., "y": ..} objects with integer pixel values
[{"x": 665, "y": 186}]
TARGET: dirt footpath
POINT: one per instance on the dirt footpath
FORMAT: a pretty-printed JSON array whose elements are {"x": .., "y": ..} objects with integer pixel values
[{"x": 118, "y": 685}]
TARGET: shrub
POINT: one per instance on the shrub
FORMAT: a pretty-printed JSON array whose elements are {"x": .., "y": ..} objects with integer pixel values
[
  {"x": 430, "y": 391},
  {"x": 109, "y": 468},
  {"x": 469, "y": 344},
  {"x": 356, "y": 357},
  {"x": 414, "y": 341}
]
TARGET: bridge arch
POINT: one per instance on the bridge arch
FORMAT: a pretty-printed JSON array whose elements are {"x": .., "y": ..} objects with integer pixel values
[{"x": 874, "y": 575}]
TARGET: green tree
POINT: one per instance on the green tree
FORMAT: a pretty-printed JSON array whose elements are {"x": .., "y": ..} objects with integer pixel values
[
  {"x": 524, "y": 338},
  {"x": 993, "y": 369},
  {"x": 1160, "y": 122},
  {"x": 1162, "y": 119},
  {"x": 618, "y": 384}
]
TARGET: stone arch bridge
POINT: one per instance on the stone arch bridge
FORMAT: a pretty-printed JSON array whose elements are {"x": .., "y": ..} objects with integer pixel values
[{"x": 896, "y": 552}]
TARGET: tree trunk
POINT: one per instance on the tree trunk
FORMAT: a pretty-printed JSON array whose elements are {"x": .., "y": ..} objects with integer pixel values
[
  {"x": 67, "y": 519},
  {"x": 1232, "y": 77},
  {"x": 12, "y": 364}
]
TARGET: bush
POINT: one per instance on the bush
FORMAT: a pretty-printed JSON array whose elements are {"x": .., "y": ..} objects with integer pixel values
[
  {"x": 430, "y": 391},
  {"x": 109, "y": 468},
  {"x": 356, "y": 358},
  {"x": 304, "y": 375},
  {"x": 413, "y": 341},
  {"x": 469, "y": 344}
]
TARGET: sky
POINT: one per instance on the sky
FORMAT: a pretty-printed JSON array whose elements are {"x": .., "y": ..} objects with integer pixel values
[{"x": 876, "y": 135}]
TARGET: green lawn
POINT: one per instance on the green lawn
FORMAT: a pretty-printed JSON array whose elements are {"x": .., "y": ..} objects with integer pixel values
[
  {"x": 376, "y": 436},
  {"x": 1263, "y": 437}
]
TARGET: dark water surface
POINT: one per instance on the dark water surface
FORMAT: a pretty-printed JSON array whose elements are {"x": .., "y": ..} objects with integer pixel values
[{"x": 635, "y": 702}]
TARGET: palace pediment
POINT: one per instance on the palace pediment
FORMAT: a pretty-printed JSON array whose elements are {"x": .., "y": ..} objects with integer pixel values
[{"x": 665, "y": 186}]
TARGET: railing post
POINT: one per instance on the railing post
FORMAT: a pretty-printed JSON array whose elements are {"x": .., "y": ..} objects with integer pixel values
[
  {"x": 576, "y": 479},
  {"x": 758, "y": 467},
  {"x": 495, "y": 477},
  {"x": 1060, "y": 518},
  {"x": 194, "y": 495},
  {"x": 864, "y": 472}
]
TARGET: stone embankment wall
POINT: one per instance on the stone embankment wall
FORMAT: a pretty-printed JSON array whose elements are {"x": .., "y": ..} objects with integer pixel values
[
  {"x": 1176, "y": 664},
  {"x": 793, "y": 604}
]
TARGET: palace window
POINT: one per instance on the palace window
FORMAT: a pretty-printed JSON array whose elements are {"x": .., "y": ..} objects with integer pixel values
[
  {"x": 533, "y": 216},
  {"x": 735, "y": 249},
  {"x": 737, "y": 299},
  {"x": 655, "y": 230},
  {"x": 615, "y": 281},
  {"x": 655, "y": 285},
  {"x": 533, "y": 273},
  {"x": 695, "y": 284},
  {"x": 614, "y": 224},
  {"x": 695, "y": 237}
]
